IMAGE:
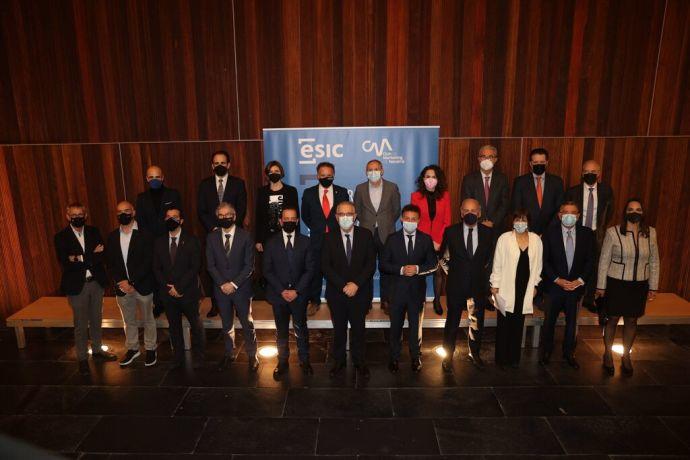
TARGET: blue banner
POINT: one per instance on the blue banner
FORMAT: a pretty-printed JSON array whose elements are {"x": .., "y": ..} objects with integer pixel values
[{"x": 403, "y": 150}]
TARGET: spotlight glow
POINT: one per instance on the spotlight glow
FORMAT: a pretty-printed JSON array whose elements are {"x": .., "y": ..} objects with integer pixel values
[
  {"x": 618, "y": 349},
  {"x": 440, "y": 351},
  {"x": 103, "y": 347},
  {"x": 268, "y": 352}
]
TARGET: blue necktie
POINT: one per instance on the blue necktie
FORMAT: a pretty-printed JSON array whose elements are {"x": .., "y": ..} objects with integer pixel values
[{"x": 348, "y": 248}]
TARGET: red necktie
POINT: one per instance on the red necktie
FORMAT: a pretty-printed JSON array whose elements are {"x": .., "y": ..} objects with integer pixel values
[
  {"x": 539, "y": 191},
  {"x": 326, "y": 207}
]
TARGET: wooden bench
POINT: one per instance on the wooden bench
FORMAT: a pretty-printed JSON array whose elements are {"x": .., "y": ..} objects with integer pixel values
[{"x": 55, "y": 312}]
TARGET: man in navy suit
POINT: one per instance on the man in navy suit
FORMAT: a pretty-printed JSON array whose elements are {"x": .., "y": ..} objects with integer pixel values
[
  {"x": 408, "y": 256},
  {"x": 230, "y": 262},
  {"x": 318, "y": 212},
  {"x": 569, "y": 254},
  {"x": 289, "y": 265}
]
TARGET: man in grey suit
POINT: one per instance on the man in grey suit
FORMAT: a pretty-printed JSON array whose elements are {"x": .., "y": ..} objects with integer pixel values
[
  {"x": 230, "y": 262},
  {"x": 378, "y": 207},
  {"x": 490, "y": 188}
]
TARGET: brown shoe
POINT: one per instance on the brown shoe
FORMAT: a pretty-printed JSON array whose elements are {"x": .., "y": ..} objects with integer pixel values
[{"x": 313, "y": 308}]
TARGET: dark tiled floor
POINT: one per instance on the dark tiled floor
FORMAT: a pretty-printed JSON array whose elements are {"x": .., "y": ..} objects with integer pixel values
[{"x": 534, "y": 412}]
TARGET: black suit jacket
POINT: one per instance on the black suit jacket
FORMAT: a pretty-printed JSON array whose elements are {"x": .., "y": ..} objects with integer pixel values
[
  {"x": 184, "y": 273},
  {"x": 555, "y": 263},
  {"x": 151, "y": 220},
  {"x": 525, "y": 196},
  {"x": 74, "y": 273},
  {"x": 280, "y": 274},
  {"x": 312, "y": 213},
  {"x": 235, "y": 193},
  {"x": 338, "y": 272},
  {"x": 468, "y": 277},
  {"x": 605, "y": 205},
  {"x": 139, "y": 261},
  {"x": 497, "y": 207},
  {"x": 395, "y": 256}
]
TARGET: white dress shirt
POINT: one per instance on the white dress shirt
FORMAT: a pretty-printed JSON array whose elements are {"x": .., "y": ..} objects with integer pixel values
[
  {"x": 352, "y": 238},
  {"x": 484, "y": 176},
  {"x": 585, "y": 199},
  {"x": 176, "y": 236},
  {"x": 543, "y": 181},
  {"x": 414, "y": 242},
  {"x": 80, "y": 238},
  {"x": 125, "y": 239},
  {"x": 292, "y": 238},
  {"x": 225, "y": 181},
  {"x": 475, "y": 237}
]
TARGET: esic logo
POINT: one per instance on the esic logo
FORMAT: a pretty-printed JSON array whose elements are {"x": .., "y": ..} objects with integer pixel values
[
  {"x": 310, "y": 151},
  {"x": 380, "y": 149}
]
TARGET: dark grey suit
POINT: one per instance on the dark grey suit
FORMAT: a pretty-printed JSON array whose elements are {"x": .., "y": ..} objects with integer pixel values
[
  {"x": 499, "y": 201},
  {"x": 237, "y": 268}
]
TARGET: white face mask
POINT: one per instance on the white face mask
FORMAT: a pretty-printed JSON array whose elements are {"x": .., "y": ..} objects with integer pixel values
[
  {"x": 486, "y": 164},
  {"x": 346, "y": 222},
  {"x": 374, "y": 176},
  {"x": 520, "y": 227},
  {"x": 569, "y": 219},
  {"x": 410, "y": 227}
]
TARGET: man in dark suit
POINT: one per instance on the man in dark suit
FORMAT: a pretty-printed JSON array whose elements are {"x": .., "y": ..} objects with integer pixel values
[
  {"x": 79, "y": 249},
  {"x": 408, "y": 257},
  {"x": 348, "y": 261},
  {"x": 230, "y": 262},
  {"x": 490, "y": 188},
  {"x": 221, "y": 187},
  {"x": 176, "y": 265},
  {"x": 568, "y": 262},
  {"x": 469, "y": 248},
  {"x": 318, "y": 212},
  {"x": 129, "y": 253},
  {"x": 596, "y": 201},
  {"x": 538, "y": 192},
  {"x": 289, "y": 267}
]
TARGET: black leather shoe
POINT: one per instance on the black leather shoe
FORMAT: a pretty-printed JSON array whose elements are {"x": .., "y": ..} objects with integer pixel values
[
  {"x": 104, "y": 356},
  {"x": 416, "y": 365},
  {"x": 476, "y": 360},
  {"x": 626, "y": 366},
  {"x": 84, "y": 367},
  {"x": 306, "y": 368},
  {"x": 337, "y": 369},
  {"x": 393, "y": 366},
  {"x": 225, "y": 362},
  {"x": 253, "y": 364},
  {"x": 447, "y": 366},
  {"x": 607, "y": 364},
  {"x": 280, "y": 369},
  {"x": 544, "y": 358},
  {"x": 572, "y": 362},
  {"x": 438, "y": 308},
  {"x": 363, "y": 371},
  {"x": 212, "y": 312}
]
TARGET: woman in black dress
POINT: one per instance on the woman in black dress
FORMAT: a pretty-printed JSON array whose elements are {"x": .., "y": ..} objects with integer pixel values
[{"x": 270, "y": 200}]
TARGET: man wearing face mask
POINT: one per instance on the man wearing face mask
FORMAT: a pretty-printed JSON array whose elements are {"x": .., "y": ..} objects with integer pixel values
[
  {"x": 176, "y": 265},
  {"x": 79, "y": 249},
  {"x": 129, "y": 253},
  {"x": 490, "y": 188},
  {"x": 539, "y": 192},
  {"x": 568, "y": 260},
  {"x": 318, "y": 212},
  {"x": 469, "y": 247},
  {"x": 289, "y": 267},
  {"x": 407, "y": 258},
  {"x": 348, "y": 261},
  {"x": 378, "y": 203},
  {"x": 230, "y": 262}
]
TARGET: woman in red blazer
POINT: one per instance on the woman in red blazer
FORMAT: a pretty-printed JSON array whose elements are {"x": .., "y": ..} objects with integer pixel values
[{"x": 434, "y": 202}]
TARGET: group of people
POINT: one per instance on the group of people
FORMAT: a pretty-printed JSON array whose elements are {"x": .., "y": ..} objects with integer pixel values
[{"x": 556, "y": 254}]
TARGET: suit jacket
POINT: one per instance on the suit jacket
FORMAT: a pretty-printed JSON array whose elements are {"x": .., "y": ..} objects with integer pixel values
[
  {"x": 555, "y": 263},
  {"x": 139, "y": 261},
  {"x": 388, "y": 213},
  {"x": 605, "y": 206},
  {"x": 338, "y": 272},
  {"x": 468, "y": 277},
  {"x": 184, "y": 273},
  {"x": 312, "y": 213},
  {"x": 237, "y": 267},
  {"x": 497, "y": 207},
  {"x": 442, "y": 219},
  {"x": 281, "y": 273},
  {"x": 151, "y": 220},
  {"x": 74, "y": 273},
  {"x": 395, "y": 256},
  {"x": 525, "y": 196},
  {"x": 235, "y": 193}
]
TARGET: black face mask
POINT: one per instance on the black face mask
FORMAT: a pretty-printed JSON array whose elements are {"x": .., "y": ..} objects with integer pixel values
[
  {"x": 77, "y": 222},
  {"x": 124, "y": 218},
  {"x": 275, "y": 177},
  {"x": 633, "y": 217},
  {"x": 589, "y": 178},
  {"x": 220, "y": 170},
  {"x": 470, "y": 219},
  {"x": 172, "y": 224},
  {"x": 326, "y": 182},
  {"x": 289, "y": 227},
  {"x": 539, "y": 169},
  {"x": 226, "y": 223}
]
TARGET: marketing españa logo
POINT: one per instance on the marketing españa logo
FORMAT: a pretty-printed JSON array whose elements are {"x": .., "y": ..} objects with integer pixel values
[{"x": 383, "y": 150}]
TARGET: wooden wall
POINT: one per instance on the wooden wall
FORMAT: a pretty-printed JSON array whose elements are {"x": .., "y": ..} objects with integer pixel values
[{"x": 92, "y": 92}]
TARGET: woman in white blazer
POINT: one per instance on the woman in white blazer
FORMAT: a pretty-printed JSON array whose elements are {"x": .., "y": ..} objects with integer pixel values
[{"x": 514, "y": 279}]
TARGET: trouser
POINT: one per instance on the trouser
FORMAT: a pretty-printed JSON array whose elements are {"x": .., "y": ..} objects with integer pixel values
[
  {"x": 568, "y": 305},
  {"x": 282, "y": 312},
  {"x": 353, "y": 312},
  {"x": 229, "y": 306},
  {"x": 128, "y": 304},
  {"x": 384, "y": 278},
  {"x": 174, "y": 310},
  {"x": 509, "y": 336},
  {"x": 475, "y": 315},
  {"x": 414, "y": 321},
  {"x": 87, "y": 311}
]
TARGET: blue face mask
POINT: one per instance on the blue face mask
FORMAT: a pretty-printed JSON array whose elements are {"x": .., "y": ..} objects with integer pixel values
[
  {"x": 155, "y": 184},
  {"x": 410, "y": 227},
  {"x": 374, "y": 176},
  {"x": 520, "y": 227},
  {"x": 569, "y": 219},
  {"x": 346, "y": 222}
]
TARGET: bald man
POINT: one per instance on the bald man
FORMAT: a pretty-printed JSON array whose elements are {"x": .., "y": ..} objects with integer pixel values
[
  {"x": 469, "y": 247},
  {"x": 129, "y": 255}
]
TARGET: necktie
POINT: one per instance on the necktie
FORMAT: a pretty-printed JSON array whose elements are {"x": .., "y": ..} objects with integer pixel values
[
  {"x": 569, "y": 249},
  {"x": 173, "y": 248},
  {"x": 290, "y": 253},
  {"x": 410, "y": 246},
  {"x": 486, "y": 190},
  {"x": 227, "y": 244},
  {"x": 470, "y": 243},
  {"x": 221, "y": 190},
  {"x": 325, "y": 206},
  {"x": 539, "y": 191},
  {"x": 348, "y": 248},
  {"x": 590, "y": 209}
]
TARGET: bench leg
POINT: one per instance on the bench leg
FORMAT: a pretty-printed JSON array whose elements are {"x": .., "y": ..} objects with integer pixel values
[
  {"x": 187, "y": 338},
  {"x": 21, "y": 338},
  {"x": 347, "y": 340},
  {"x": 536, "y": 333}
]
